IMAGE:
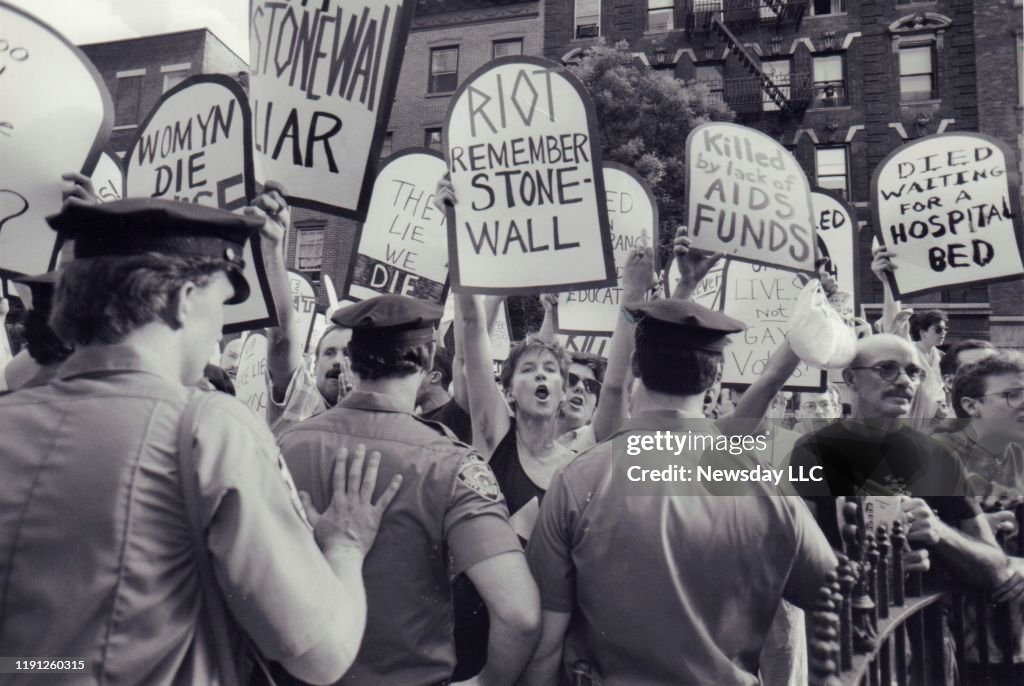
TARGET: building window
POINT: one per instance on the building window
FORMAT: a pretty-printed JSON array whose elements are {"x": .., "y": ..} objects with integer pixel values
[
  {"x": 128, "y": 97},
  {"x": 388, "y": 146},
  {"x": 660, "y": 15},
  {"x": 309, "y": 251},
  {"x": 588, "y": 18},
  {"x": 820, "y": 7},
  {"x": 712, "y": 76},
  {"x": 780, "y": 71},
  {"x": 444, "y": 70},
  {"x": 504, "y": 48},
  {"x": 829, "y": 81},
  {"x": 432, "y": 138},
  {"x": 175, "y": 74},
  {"x": 830, "y": 168},
  {"x": 917, "y": 73}
]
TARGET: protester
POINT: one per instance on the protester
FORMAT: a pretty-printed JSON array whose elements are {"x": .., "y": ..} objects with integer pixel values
[
  {"x": 448, "y": 519},
  {"x": 575, "y": 430},
  {"x": 958, "y": 355},
  {"x": 875, "y": 454},
  {"x": 229, "y": 357},
  {"x": 292, "y": 393},
  {"x": 160, "y": 504},
  {"x": 989, "y": 395},
  {"x": 437, "y": 404},
  {"x": 723, "y": 621},
  {"x": 815, "y": 410}
]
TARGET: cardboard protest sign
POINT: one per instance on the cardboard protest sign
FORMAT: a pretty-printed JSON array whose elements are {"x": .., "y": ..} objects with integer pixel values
[
  {"x": 762, "y": 298},
  {"x": 108, "y": 177},
  {"x": 526, "y": 167},
  {"x": 304, "y": 304},
  {"x": 595, "y": 344},
  {"x": 322, "y": 81},
  {"x": 194, "y": 146},
  {"x": 501, "y": 339},
  {"x": 403, "y": 245},
  {"x": 949, "y": 207},
  {"x": 748, "y": 197},
  {"x": 632, "y": 220},
  {"x": 55, "y": 117},
  {"x": 250, "y": 379},
  {"x": 836, "y": 225}
]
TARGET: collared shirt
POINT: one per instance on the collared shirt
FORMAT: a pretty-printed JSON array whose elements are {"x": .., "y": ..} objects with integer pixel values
[
  {"x": 578, "y": 440},
  {"x": 95, "y": 535},
  {"x": 642, "y": 575},
  {"x": 302, "y": 400},
  {"x": 448, "y": 516}
]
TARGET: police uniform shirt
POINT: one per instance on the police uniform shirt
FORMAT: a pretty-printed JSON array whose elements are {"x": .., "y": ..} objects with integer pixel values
[
  {"x": 448, "y": 516},
  {"x": 97, "y": 555},
  {"x": 674, "y": 588}
]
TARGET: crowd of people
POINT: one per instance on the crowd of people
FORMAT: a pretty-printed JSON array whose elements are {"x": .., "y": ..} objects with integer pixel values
[{"x": 398, "y": 517}]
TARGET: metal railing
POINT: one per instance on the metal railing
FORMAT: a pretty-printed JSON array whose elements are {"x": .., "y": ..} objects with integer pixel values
[
  {"x": 874, "y": 624},
  {"x": 747, "y": 94},
  {"x": 744, "y": 12}
]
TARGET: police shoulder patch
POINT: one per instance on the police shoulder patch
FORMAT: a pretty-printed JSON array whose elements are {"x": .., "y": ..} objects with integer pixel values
[{"x": 476, "y": 475}]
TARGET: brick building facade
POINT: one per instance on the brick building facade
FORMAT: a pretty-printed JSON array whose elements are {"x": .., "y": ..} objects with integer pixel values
[{"x": 856, "y": 79}]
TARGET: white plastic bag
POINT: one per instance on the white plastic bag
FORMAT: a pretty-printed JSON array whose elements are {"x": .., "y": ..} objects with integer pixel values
[{"x": 817, "y": 333}]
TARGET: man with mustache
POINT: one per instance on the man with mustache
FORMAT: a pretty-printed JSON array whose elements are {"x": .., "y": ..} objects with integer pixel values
[
  {"x": 875, "y": 454},
  {"x": 293, "y": 394}
]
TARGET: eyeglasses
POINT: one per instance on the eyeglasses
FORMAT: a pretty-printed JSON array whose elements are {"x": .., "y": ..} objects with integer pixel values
[
  {"x": 890, "y": 371},
  {"x": 1014, "y": 398},
  {"x": 591, "y": 386},
  {"x": 811, "y": 406}
]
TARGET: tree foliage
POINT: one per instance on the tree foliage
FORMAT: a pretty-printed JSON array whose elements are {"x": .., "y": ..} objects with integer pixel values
[{"x": 644, "y": 116}]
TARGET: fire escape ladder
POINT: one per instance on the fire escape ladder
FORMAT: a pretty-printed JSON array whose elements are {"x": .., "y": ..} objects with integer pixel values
[{"x": 752, "y": 64}]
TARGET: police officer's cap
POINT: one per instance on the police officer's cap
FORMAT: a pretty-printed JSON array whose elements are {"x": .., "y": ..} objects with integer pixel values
[
  {"x": 36, "y": 292},
  {"x": 391, "y": 320},
  {"x": 139, "y": 225},
  {"x": 684, "y": 324}
]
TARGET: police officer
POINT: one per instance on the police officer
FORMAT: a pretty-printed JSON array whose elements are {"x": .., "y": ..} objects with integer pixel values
[
  {"x": 665, "y": 584},
  {"x": 106, "y": 534},
  {"x": 449, "y": 518}
]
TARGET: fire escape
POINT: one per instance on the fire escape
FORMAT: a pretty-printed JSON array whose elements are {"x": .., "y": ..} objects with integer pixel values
[{"x": 789, "y": 94}]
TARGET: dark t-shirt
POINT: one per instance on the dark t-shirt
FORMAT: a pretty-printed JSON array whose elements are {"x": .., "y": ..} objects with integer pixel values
[
  {"x": 455, "y": 418},
  {"x": 870, "y": 461}
]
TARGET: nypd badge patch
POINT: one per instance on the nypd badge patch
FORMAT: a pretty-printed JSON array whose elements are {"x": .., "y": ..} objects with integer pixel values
[{"x": 476, "y": 475}]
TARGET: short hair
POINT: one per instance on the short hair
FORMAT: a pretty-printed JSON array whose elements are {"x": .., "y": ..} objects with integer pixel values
[
  {"x": 377, "y": 361},
  {"x": 675, "y": 370},
  {"x": 103, "y": 299},
  {"x": 44, "y": 345},
  {"x": 443, "y": 365},
  {"x": 950, "y": 362},
  {"x": 532, "y": 344},
  {"x": 329, "y": 329},
  {"x": 922, "y": 321},
  {"x": 593, "y": 362},
  {"x": 831, "y": 390},
  {"x": 971, "y": 380}
]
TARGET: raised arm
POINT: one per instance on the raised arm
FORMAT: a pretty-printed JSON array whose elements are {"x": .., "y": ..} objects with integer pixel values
[
  {"x": 612, "y": 408},
  {"x": 284, "y": 347},
  {"x": 547, "y": 327},
  {"x": 487, "y": 408}
]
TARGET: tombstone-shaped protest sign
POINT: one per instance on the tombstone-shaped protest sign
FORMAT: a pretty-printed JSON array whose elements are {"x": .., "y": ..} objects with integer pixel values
[
  {"x": 592, "y": 343},
  {"x": 322, "y": 81},
  {"x": 403, "y": 244},
  {"x": 836, "y": 225},
  {"x": 633, "y": 220},
  {"x": 55, "y": 117},
  {"x": 304, "y": 304},
  {"x": 748, "y": 197},
  {"x": 949, "y": 207},
  {"x": 108, "y": 177},
  {"x": 251, "y": 379},
  {"x": 763, "y": 298},
  {"x": 194, "y": 146},
  {"x": 524, "y": 159},
  {"x": 316, "y": 332}
]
